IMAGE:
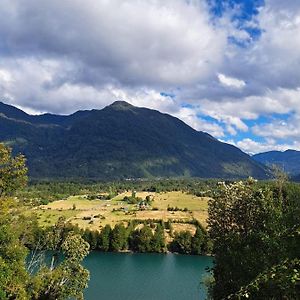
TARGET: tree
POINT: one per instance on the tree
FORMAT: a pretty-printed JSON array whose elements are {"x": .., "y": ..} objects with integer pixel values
[
  {"x": 158, "y": 242},
  {"x": 65, "y": 279},
  {"x": 140, "y": 239},
  {"x": 104, "y": 238},
  {"x": 182, "y": 242},
  {"x": 13, "y": 172},
  {"x": 92, "y": 237},
  {"x": 253, "y": 235},
  {"x": 279, "y": 282},
  {"x": 118, "y": 238},
  {"x": 59, "y": 281},
  {"x": 199, "y": 241},
  {"x": 13, "y": 274}
]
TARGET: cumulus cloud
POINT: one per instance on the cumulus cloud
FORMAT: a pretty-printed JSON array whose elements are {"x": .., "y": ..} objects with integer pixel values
[
  {"x": 252, "y": 147},
  {"x": 61, "y": 55},
  {"x": 132, "y": 42}
]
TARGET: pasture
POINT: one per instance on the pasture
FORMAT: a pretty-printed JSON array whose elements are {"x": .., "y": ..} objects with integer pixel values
[{"x": 177, "y": 207}]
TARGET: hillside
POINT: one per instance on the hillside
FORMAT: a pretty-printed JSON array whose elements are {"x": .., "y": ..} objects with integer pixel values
[
  {"x": 288, "y": 160},
  {"x": 120, "y": 141}
]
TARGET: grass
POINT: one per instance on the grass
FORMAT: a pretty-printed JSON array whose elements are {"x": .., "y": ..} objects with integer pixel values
[
  {"x": 95, "y": 214},
  {"x": 180, "y": 200},
  {"x": 50, "y": 217}
]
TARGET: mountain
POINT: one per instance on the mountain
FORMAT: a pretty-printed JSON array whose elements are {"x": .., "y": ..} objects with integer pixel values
[
  {"x": 120, "y": 141},
  {"x": 288, "y": 160}
]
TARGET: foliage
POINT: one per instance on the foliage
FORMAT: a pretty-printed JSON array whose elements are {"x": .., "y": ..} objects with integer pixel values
[
  {"x": 253, "y": 229},
  {"x": 18, "y": 233},
  {"x": 279, "y": 282},
  {"x": 104, "y": 239},
  {"x": 118, "y": 238},
  {"x": 67, "y": 278},
  {"x": 182, "y": 242},
  {"x": 13, "y": 172},
  {"x": 140, "y": 240}
]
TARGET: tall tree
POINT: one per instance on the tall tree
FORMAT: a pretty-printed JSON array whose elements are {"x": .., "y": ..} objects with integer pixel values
[
  {"x": 118, "y": 238},
  {"x": 199, "y": 241},
  {"x": 254, "y": 239},
  {"x": 182, "y": 242},
  {"x": 158, "y": 242},
  {"x": 13, "y": 172},
  {"x": 104, "y": 238},
  {"x": 61, "y": 281}
]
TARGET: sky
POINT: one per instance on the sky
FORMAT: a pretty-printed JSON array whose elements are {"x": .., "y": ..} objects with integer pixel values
[{"x": 227, "y": 67}]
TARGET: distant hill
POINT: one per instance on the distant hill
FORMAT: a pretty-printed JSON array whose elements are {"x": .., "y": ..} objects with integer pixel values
[
  {"x": 120, "y": 141},
  {"x": 288, "y": 160}
]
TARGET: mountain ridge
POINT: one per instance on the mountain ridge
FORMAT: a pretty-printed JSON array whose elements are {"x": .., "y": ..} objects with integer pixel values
[
  {"x": 288, "y": 160},
  {"x": 121, "y": 141}
]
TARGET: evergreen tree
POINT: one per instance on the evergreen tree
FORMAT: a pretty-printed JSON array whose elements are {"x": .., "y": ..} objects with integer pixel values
[
  {"x": 199, "y": 241},
  {"x": 118, "y": 238},
  {"x": 158, "y": 242},
  {"x": 140, "y": 239},
  {"x": 182, "y": 242},
  {"x": 104, "y": 238}
]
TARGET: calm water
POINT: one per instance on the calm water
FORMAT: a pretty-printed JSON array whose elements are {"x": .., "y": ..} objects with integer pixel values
[{"x": 119, "y": 276}]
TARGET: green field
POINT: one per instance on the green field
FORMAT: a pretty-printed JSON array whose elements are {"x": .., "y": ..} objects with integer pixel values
[{"x": 95, "y": 214}]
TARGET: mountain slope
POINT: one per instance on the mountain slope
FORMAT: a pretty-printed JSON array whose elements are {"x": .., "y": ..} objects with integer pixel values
[
  {"x": 121, "y": 141},
  {"x": 288, "y": 160}
]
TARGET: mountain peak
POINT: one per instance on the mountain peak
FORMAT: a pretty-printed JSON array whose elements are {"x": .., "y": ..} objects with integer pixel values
[
  {"x": 121, "y": 105},
  {"x": 122, "y": 141}
]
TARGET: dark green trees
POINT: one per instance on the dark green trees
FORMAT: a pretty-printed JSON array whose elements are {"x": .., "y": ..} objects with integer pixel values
[
  {"x": 145, "y": 240},
  {"x": 92, "y": 237},
  {"x": 182, "y": 242},
  {"x": 104, "y": 239},
  {"x": 118, "y": 238},
  {"x": 186, "y": 243},
  {"x": 158, "y": 242},
  {"x": 140, "y": 239},
  {"x": 199, "y": 242}
]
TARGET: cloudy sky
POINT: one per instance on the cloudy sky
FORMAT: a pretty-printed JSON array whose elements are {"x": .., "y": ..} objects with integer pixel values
[{"x": 227, "y": 67}]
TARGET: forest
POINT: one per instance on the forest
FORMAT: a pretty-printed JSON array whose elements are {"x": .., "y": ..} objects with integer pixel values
[{"x": 252, "y": 231}]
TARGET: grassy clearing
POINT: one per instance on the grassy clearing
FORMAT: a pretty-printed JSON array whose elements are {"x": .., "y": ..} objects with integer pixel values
[
  {"x": 95, "y": 214},
  {"x": 180, "y": 200},
  {"x": 50, "y": 217}
]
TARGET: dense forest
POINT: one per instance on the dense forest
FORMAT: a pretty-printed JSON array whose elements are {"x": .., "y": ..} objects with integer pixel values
[{"x": 253, "y": 233}]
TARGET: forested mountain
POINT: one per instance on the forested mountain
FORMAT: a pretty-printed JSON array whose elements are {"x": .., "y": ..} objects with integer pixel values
[
  {"x": 120, "y": 141},
  {"x": 288, "y": 160}
]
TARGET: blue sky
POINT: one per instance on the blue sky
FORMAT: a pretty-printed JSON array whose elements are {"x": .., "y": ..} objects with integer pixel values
[{"x": 230, "y": 68}]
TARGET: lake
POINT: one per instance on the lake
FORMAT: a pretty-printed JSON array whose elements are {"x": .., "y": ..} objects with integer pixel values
[{"x": 127, "y": 276}]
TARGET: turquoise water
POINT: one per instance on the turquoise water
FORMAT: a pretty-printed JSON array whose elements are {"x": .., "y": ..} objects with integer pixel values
[{"x": 126, "y": 276}]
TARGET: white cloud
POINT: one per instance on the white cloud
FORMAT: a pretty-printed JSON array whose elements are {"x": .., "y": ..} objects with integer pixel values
[
  {"x": 190, "y": 117},
  {"x": 231, "y": 82},
  {"x": 132, "y": 42},
  {"x": 252, "y": 147},
  {"x": 61, "y": 56}
]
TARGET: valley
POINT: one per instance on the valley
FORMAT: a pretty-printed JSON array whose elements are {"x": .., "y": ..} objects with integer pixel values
[{"x": 177, "y": 207}]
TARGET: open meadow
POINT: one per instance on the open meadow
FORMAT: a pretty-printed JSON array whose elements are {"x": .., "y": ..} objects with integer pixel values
[{"x": 178, "y": 207}]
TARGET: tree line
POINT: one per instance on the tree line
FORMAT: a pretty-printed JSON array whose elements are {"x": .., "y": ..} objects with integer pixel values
[{"x": 145, "y": 237}]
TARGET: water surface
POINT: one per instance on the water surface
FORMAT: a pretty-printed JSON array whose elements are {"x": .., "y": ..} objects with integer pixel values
[{"x": 120, "y": 276}]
